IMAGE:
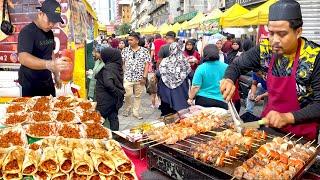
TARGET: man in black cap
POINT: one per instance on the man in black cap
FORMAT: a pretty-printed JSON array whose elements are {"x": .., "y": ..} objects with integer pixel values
[
  {"x": 292, "y": 64},
  {"x": 35, "y": 49},
  {"x": 164, "y": 50}
]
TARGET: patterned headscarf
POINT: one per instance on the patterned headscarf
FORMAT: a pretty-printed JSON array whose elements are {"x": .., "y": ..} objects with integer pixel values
[{"x": 175, "y": 68}]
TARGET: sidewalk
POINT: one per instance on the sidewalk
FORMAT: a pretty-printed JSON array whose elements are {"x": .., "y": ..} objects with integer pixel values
[{"x": 149, "y": 114}]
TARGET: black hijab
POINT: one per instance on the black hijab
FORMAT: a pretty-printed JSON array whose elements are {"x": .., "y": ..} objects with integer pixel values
[
  {"x": 232, "y": 54},
  {"x": 210, "y": 53},
  {"x": 113, "y": 60},
  {"x": 190, "y": 52}
]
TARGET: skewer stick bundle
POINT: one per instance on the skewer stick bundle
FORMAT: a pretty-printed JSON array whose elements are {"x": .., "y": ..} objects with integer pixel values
[{"x": 157, "y": 144}]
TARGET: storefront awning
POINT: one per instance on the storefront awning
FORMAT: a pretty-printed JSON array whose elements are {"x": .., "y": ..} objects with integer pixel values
[
  {"x": 176, "y": 27},
  {"x": 257, "y": 16},
  {"x": 150, "y": 29},
  {"x": 102, "y": 27},
  {"x": 164, "y": 28},
  {"x": 90, "y": 10},
  {"x": 228, "y": 17}
]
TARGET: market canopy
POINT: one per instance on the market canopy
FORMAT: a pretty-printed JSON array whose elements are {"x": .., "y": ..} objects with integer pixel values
[
  {"x": 176, "y": 27},
  {"x": 90, "y": 10},
  {"x": 184, "y": 25},
  {"x": 164, "y": 28},
  {"x": 257, "y": 16},
  {"x": 150, "y": 29},
  {"x": 215, "y": 14},
  {"x": 195, "y": 22},
  {"x": 228, "y": 17},
  {"x": 102, "y": 27}
]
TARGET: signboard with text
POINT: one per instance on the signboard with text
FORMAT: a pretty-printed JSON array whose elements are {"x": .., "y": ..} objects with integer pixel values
[{"x": 230, "y": 3}]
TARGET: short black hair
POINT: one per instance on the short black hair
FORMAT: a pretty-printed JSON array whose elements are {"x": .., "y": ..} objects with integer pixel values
[
  {"x": 295, "y": 23},
  {"x": 113, "y": 35},
  {"x": 171, "y": 34},
  {"x": 104, "y": 40},
  {"x": 135, "y": 35},
  {"x": 157, "y": 36}
]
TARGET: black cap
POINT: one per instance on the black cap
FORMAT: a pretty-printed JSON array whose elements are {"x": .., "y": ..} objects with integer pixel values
[
  {"x": 171, "y": 34},
  {"x": 52, "y": 9},
  {"x": 285, "y": 10}
]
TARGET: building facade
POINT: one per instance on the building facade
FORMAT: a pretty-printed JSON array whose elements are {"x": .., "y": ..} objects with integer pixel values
[
  {"x": 124, "y": 11},
  {"x": 106, "y": 10}
]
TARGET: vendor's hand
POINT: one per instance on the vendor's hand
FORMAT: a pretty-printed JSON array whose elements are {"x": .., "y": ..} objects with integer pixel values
[
  {"x": 279, "y": 120},
  {"x": 258, "y": 98},
  {"x": 58, "y": 65},
  {"x": 227, "y": 88},
  {"x": 58, "y": 82},
  {"x": 190, "y": 102}
]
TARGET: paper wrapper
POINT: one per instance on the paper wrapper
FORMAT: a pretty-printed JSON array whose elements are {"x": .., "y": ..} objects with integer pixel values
[
  {"x": 83, "y": 164},
  {"x": 14, "y": 119},
  {"x": 103, "y": 163},
  {"x": 46, "y": 105},
  {"x": 48, "y": 142},
  {"x": 64, "y": 105},
  {"x": 122, "y": 163},
  {"x": 49, "y": 161},
  {"x": 30, "y": 163},
  {"x": 74, "y": 175},
  {"x": 86, "y": 106},
  {"x": 10, "y": 135},
  {"x": 65, "y": 158},
  {"x": 61, "y": 142},
  {"x": 99, "y": 144},
  {"x": 21, "y": 100},
  {"x": 113, "y": 145},
  {"x": 13, "y": 162},
  {"x": 41, "y": 130},
  {"x": 87, "y": 144},
  {"x": 3, "y": 154},
  {"x": 129, "y": 176},
  {"x": 62, "y": 118},
  {"x": 60, "y": 176},
  {"x": 74, "y": 143},
  {"x": 96, "y": 131},
  {"x": 41, "y": 175},
  {"x": 12, "y": 176}
]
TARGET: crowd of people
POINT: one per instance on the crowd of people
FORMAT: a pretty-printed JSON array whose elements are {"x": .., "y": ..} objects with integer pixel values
[{"x": 175, "y": 73}]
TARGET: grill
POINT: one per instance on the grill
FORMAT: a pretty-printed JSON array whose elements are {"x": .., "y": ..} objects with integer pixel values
[{"x": 177, "y": 164}]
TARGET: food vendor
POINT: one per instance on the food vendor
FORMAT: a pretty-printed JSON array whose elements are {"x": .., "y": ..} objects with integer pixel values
[
  {"x": 292, "y": 64},
  {"x": 35, "y": 50}
]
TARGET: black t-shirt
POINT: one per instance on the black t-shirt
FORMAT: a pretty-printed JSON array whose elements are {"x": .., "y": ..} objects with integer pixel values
[
  {"x": 164, "y": 51},
  {"x": 39, "y": 44}
]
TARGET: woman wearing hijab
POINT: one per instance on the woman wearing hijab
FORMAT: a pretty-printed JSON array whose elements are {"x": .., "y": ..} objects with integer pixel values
[
  {"x": 174, "y": 73},
  {"x": 205, "y": 88},
  {"x": 236, "y": 52},
  {"x": 191, "y": 54},
  {"x": 98, "y": 65},
  {"x": 109, "y": 87}
]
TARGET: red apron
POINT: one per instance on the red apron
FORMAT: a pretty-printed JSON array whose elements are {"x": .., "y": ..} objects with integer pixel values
[{"x": 283, "y": 98}]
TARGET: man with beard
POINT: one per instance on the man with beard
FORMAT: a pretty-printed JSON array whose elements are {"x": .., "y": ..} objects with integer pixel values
[{"x": 292, "y": 64}]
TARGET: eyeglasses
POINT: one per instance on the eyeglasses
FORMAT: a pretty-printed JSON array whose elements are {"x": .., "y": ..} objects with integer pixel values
[{"x": 134, "y": 55}]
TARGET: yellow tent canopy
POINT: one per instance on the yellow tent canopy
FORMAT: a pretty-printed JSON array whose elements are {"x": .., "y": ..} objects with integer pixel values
[
  {"x": 176, "y": 27},
  {"x": 257, "y": 16},
  {"x": 215, "y": 14},
  {"x": 184, "y": 25},
  {"x": 195, "y": 22},
  {"x": 164, "y": 28},
  {"x": 150, "y": 29},
  {"x": 228, "y": 17}
]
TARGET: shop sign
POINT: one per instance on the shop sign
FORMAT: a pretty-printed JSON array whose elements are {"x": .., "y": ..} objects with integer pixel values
[
  {"x": 185, "y": 17},
  {"x": 230, "y": 3}
]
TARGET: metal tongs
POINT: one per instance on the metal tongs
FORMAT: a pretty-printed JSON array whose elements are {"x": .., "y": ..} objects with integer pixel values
[{"x": 235, "y": 116}]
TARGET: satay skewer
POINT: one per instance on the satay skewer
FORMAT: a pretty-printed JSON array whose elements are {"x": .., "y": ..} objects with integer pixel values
[
  {"x": 233, "y": 157},
  {"x": 298, "y": 139},
  {"x": 148, "y": 142},
  {"x": 183, "y": 151},
  {"x": 226, "y": 162},
  {"x": 318, "y": 146},
  {"x": 206, "y": 135},
  {"x": 183, "y": 145},
  {"x": 189, "y": 142},
  {"x": 193, "y": 141},
  {"x": 292, "y": 136},
  {"x": 141, "y": 140},
  {"x": 198, "y": 138},
  {"x": 233, "y": 178},
  {"x": 286, "y": 135},
  {"x": 157, "y": 144}
]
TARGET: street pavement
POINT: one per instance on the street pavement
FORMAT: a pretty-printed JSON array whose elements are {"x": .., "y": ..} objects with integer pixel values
[{"x": 150, "y": 114}]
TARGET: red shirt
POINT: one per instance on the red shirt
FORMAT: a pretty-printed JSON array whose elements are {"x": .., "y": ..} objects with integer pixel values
[
  {"x": 197, "y": 56},
  {"x": 158, "y": 43},
  {"x": 115, "y": 43}
]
